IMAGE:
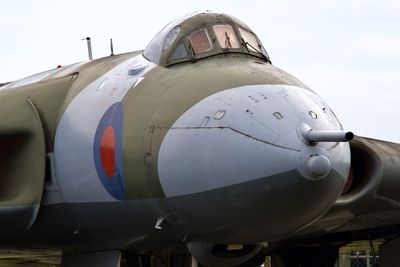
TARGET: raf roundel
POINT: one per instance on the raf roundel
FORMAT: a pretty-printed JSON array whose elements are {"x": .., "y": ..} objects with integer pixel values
[{"x": 107, "y": 151}]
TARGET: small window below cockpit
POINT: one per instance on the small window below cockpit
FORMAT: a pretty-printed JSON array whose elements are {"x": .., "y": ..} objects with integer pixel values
[
  {"x": 200, "y": 41},
  {"x": 250, "y": 40},
  {"x": 226, "y": 36}
]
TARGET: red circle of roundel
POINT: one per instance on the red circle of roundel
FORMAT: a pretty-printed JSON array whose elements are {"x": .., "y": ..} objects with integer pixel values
[{"x": 107, "y": 151}]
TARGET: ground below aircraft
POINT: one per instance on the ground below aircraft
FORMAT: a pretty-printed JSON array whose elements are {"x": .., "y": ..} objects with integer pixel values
[{"x": 196, "y": 151}]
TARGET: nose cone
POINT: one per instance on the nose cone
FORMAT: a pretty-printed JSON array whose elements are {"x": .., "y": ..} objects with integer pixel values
[{"x": 247, "y": 137}]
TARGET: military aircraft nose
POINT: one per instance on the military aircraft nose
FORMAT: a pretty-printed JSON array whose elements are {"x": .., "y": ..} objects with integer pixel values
[{"x": 240, "y": 137}]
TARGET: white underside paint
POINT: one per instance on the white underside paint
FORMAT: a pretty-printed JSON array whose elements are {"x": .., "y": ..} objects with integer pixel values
[{"x": 233, "y": 137}]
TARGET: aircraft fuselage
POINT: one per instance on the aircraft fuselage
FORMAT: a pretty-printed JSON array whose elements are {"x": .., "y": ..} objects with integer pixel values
[{"x": 146, "y": 155}]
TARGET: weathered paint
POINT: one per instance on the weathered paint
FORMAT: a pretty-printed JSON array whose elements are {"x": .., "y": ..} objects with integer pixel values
[
  {"x": 91, "y": 110},
  {"x": 192, "y": 144},
  {"x": 247, "y": 143}
]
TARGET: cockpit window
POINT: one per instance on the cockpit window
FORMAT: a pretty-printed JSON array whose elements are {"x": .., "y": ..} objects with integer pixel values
[
  {"x": 203, "y": 35},
  {"x": 180, "y": 52},
  {"x": 250, "y": 40},
  {"x": 200, "y": 41},
  {"x": 171, "y": 37},
  {"x": 226, "y": 36}
]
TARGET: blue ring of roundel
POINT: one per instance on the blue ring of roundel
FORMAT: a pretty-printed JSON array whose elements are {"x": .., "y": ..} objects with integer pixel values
[{"x": 113, "y": 184}]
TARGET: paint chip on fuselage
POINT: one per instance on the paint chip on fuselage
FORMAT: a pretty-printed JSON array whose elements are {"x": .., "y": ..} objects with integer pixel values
[{"x": 219, "y": 115}]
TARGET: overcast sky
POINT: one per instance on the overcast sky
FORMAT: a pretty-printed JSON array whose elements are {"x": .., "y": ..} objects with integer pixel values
[{"x": 346, "y": 51}]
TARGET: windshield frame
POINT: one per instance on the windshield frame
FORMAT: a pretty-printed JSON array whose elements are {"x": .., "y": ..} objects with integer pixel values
[{"x": 187, "y": 52}]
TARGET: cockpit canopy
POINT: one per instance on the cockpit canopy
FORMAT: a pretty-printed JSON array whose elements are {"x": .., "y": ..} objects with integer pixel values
[{"x": 201, "y": 35}]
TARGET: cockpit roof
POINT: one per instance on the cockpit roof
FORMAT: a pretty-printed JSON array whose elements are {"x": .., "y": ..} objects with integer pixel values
[{"x": 200, "y": 35}]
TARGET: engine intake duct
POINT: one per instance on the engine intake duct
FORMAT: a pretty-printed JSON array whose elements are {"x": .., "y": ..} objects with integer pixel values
[{"x": 375, "y": 169}]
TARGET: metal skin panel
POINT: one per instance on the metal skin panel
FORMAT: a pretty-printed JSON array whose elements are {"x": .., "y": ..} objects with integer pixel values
[
  {"x": 129, "y": 225},
  {"x": 233, "y": 136},
  {"x": 76, "y": 134},
  {"x": 25, "y": 133},
  {"x": 87, "y": 216},
  {"x": 167, "y": 93},
  {"x": 89, "y": 72},
  {"x": 159, "y": 100}
]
